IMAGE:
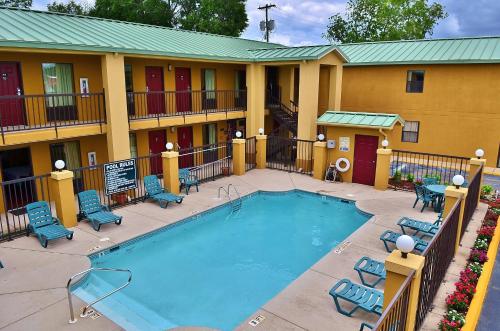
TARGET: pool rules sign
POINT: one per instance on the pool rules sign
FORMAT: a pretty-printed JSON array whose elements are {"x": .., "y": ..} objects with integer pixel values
[{"x": 120, "y": 176}]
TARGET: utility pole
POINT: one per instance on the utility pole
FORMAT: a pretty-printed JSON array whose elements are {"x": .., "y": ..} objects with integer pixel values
[{"x": 267, "y": 27}]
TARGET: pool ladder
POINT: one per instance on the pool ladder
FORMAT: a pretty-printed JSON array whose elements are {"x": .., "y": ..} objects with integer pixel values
[
  {"x": 85, "y": 272},
  {"x": 235, "y": 203}
]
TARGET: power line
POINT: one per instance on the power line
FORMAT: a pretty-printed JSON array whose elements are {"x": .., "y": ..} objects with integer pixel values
[{"x": 267, "y": 25}]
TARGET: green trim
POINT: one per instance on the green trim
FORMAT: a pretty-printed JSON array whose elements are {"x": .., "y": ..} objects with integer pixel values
[{"x": 360, "y": 119}]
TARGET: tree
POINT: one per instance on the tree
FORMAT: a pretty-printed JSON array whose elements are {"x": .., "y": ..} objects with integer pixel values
[
  {"x": 70, "y": 7},
  {"x": 378, "y": 20},
  {"x": 16, "y": 3},
  {"x": 226, "y": 17}
]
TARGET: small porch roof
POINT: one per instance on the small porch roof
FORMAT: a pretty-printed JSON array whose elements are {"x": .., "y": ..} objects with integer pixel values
[{"x": 360, "y": 119}]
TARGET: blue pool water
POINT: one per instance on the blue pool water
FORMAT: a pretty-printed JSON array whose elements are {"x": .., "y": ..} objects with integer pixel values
[{"x": 217, "y": 268}]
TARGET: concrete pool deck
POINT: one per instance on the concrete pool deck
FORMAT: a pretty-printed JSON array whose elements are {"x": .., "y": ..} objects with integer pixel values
[{"x": 32, "y": 284}]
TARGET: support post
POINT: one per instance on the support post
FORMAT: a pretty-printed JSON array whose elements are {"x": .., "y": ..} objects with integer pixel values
[
  {"x": 320, "y": 156},
  {"x": 382, "y": 171},
  {"x": 397, "y": 269},
  {"x": 475, "y": 165},
  {"x": 64, "y": 197},
  {"x": 256, "y": 95},
  {"x": 239, "y": 157},
  {"x": 113, "y": 78},
  {"x": 261, "y": 151},
  {"x": 335, "y": 90},
  {"x": 308, "y": 101},
  {"x": 170, "y": 162},
  {"x": 452, "y": 195}
]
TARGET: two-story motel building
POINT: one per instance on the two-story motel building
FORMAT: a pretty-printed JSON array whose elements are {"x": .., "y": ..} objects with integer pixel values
[{"x": 91, "y": 90}]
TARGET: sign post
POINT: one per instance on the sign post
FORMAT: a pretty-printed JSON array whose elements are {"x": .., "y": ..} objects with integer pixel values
[{"x": 120, "y": 176}]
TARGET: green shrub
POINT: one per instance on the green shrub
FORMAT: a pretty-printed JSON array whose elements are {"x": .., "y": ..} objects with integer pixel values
[
  {"x": 486, "y": 190},
  {"x": 397, "y": 176},
  {"x": 410, "y": 178}
]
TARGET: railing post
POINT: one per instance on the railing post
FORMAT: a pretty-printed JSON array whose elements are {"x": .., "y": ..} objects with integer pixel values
[
  {"x": 239, "y": 156},
  {"x": 397, "y": 269},
  {"x": 319, "y": 157},
  {"x": 170, "y": 162},
  {"x": 260, "y": 151},
  {"x": 382, "y": 172},
  {"x": 476, "y": 165},
  {"x": 452, "y": 195},
  {"x": 63, "y": 196}
]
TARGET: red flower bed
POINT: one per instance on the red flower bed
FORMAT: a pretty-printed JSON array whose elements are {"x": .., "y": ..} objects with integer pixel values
[{"x": 458, "y": 302}]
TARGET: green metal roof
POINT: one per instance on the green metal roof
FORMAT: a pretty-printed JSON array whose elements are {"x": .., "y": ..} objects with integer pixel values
[
  {"x": 294, "y": 53},
  {"x": 355, "y": 119},
  {"x": 426, "y": 51},
  {"x": 38, "y": 29}
]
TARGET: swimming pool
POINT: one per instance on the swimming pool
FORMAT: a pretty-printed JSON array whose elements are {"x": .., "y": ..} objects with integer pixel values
[{"x": 217, "y": 268}]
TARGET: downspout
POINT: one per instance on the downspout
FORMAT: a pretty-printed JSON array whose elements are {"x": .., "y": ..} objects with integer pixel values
[{"x": 382, "y": 133}]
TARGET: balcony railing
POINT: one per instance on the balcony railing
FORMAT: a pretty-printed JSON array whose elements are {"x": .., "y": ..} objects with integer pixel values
[
  {"x": 29, "y": 112},
  {"x": 142, "y": 105}
]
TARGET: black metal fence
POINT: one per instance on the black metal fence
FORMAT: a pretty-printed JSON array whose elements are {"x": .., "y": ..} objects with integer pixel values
[
  {"x": 159, "y": 104},
  {"x": 28, "y": 112},
  {"x": 409, "y": 167},
  {"x": 288, "y": 154},
  {"x": 208, "y": 162},
  {"x": 395, "y": 314},
  {"x": 16, "y": 194},
  {"x": 471, "y": 200},
  {"x": 438, "y": 256},
  {"x": 250, "y": 153}
]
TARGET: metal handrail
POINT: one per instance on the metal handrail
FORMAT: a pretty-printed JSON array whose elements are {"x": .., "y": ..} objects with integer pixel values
[
  {"x": 228, "y": 194},
  {"x": 84, "y": 312}
]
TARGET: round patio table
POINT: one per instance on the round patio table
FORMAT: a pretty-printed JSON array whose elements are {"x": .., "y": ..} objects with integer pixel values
[{"x": 437, "y": 190}]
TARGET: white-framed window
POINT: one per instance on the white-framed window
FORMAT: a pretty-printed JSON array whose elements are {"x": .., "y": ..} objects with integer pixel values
[
  {"x": 415, "y": 81},
  {"x": 410, "y": 132}
]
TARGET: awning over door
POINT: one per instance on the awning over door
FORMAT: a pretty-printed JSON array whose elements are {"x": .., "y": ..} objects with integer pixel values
[{"x": 360, "y": 119}]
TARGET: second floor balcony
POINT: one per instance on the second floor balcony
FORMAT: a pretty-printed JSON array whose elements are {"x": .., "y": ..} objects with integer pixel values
[{"x": 159, "y": 104}]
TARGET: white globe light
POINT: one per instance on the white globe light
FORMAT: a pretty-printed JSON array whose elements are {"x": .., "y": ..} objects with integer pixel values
[
  {"x": 479, "y": 153},
  {"x": 169, "y": 146},
  {"x": 321, "y": 137},
  {"x": 405, "y": 244},
  {"x": 385, "y": 143},
  {"x": 261, "y": 130},
  {"x": 59, "y": 164},
  {"x": 238, "y": 134},
  {"x": 458, "y": 180}
]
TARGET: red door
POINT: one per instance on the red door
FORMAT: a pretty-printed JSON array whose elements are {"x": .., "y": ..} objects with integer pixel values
[
  {"x": 365, "y": 159},
  {"x": 11, "y": 109},
  {"x": 154, "y": 87},
  {"x": 185, "y": 141},
  {"x": 156, "y": 145},
  {"x": 183, "y": 89}
]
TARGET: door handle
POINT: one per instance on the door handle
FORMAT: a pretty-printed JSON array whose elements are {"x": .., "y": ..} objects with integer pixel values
[
  {"x": 147, "y": 88},
  {"x": 18, "y": 91}
]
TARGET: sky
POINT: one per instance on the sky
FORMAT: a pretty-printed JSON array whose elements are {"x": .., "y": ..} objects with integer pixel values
[{"x": 303, "y": 22}]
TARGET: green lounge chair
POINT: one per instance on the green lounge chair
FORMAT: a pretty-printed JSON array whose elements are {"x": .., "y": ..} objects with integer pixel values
[
  {"x": 365, "y": 325},
  {"x": 371, "y": 267},
  {"x": 425, "y": 195},
  {"x": 187, "y": 179},
  {"x": 155, "y": 192},
  {"x": 362, "y": 297},
  {"x": 94, "y": 212},
  {"x": 425, "y": 228},
  {"x": 45, "y": 226},
  {"x": 391, "y": 236}
]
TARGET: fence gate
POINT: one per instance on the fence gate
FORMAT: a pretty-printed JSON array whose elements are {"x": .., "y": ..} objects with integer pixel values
[
  {"x": 288, "y": 154},
  {"x": 16, "y": 194},
  {"x": 250, "y": 154}
]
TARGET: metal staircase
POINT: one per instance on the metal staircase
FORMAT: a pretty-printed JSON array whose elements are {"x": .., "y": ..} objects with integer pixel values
[
  {"x": 236, "y": 202},
  {"x": 286, "y": 116}
]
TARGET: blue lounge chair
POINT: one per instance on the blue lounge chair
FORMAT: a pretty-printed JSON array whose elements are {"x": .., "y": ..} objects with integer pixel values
[
  {"x": 187, "y": 179},
  {"x": 391, "y": 236},
  {"x": 425, "y": 195},
  {"x": 362, "y": 297},
  {"x": 371, "y": 267},
  {"x": 94, "y": 212},
  {"x": 425, "y": 228},
  {"x": 155, "y": 192},
  {"x": 45, "y": 226},
  {"x": 365, "y": 325}
]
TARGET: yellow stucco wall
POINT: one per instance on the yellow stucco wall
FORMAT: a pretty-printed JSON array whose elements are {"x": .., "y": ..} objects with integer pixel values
[
  {"x": 458, "y": 109},
  {"x": 84, "y": 66}
]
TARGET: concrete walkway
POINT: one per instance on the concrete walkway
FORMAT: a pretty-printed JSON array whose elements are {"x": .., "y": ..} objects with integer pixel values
[{"x": 32, "y": 284}]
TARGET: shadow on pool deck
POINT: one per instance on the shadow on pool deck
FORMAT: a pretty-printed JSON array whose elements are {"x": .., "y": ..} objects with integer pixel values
[{"x": 32, "y": 284}]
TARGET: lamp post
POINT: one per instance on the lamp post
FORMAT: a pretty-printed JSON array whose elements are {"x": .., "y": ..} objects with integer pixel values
[
  {"x": 405, "y": 244},
  {"x": 458, "y": 180},
  {"x": 321, "y": 137},
  {"x": 261, "y": 131},
  {"x": 385, "y": 143},
  {"x": 479, "y": 153},
  {"x": 238, "y": 134},
  {"x": 169, "y": 146}
]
